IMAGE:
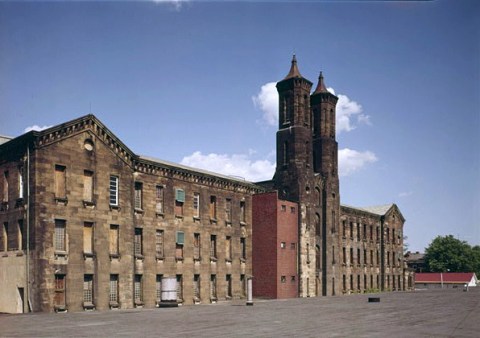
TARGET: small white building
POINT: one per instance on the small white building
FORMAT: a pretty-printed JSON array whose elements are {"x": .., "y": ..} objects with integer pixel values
[{"x": 434, "y": 280}]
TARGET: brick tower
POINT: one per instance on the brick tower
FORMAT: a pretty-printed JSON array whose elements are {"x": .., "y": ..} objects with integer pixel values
[{"x": 307, "y": 173}]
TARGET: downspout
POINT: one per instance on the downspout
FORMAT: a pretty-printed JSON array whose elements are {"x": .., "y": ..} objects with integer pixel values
[{"x": 28, "y": 232}]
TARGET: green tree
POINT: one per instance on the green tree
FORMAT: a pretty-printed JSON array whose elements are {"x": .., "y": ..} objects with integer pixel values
[
  {"x": 476, "y": 256},
  {"x": 451, "y": 254}
]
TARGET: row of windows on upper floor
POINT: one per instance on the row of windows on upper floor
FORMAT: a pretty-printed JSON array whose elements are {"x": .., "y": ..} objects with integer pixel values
[
  {"x": 114, "y": 287},
  {"x": 393, "y": 236},
  {"x": 179, "y": 198},
  {"x": 5, "y": 181},
  {"x": 13, "y": 237},
  {"x": 60, "y": 242}
]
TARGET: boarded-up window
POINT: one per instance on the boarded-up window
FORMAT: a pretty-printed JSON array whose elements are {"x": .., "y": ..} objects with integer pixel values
[
  {"x": 196, "y": 204},
  {"x": 138, "y": 195},
  {"x": 179, "y": 288},
  {"x": 242, "y": 211},
  {"x": 113, "y": 190},
  {"x": 228, "y": 210},
  {"x": 179, "y": 201},
  {"x": 213, "y": 207},
  {"x": 196, "y": 287},
  {"x": 159, "y": 237},
  {"x": 228, "y": 280},
  {"x": 158, "y": 288},
  {"x": 179, "y": 244},
  {"x": 60, "y": 235},
  {"x": 114, "y": 288},
  {"x": 138, "y": 289},
  {"x": 228, "y": 248},
  {"x": 88, "y": 186},
  {"x": 138, "y": 250},
  {"x": 213, "y": 246},
  {"x": 213, "y": 287},
  {"x": 60, "y": 181},
  {"x": 88, "y": 289},
  {"x": 113, "y": 239},
  {"x": 196, "y": 246},
  {"x": 88, "y": 238},
  {"x": 59, "y": 296},
  {"x": 159, "y": 199},
  {"x": 5, "y": 187}
]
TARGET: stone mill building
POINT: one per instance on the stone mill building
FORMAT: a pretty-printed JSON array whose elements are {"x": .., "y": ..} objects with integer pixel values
[{"x": 88, "y": 224}]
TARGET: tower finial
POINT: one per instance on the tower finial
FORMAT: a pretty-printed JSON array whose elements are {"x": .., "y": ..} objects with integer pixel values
[
  {"x": 294, "y": 72},
  {"x": 321, "y": 85}
]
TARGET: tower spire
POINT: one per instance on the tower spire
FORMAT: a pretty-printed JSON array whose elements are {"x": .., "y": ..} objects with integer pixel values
[
  {"x": 294, "y": 72},
  {"x": 321, "y": 85}
]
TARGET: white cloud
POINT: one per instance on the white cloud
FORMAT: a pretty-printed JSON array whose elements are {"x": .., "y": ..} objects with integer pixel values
[
  {"x": 238, "y": 165},
  {"x": 350, "y": 161},
  {"x": 405, "y": 194},
  {"x": 35, "y": 127},
  {"x": 176, "y": 4},
  {"x": 267, "y": 101}
]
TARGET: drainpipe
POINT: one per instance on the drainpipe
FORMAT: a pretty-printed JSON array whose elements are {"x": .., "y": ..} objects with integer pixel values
[{"x": 28, "y": 231}]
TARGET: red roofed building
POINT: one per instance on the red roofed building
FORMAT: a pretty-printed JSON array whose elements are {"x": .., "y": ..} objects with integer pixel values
[{"x": 432, "y": 280}]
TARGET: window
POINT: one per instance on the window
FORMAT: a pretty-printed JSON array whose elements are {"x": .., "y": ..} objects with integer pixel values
[
  {"x": 228, "y": 291},
  {"x": 333, "y": 255},
  {"x": 228, "y": 248},
  {"x": 213, "y": 247},
  {"x": 113, "y": 190},
  {"x": 60, "y": 181},
  {"x": 387, "y": 239},
  {"x": 179, "y": 201},
  {"x": 283, "y": 245},
  {"x": 283, "y": 279},
  {"x": 159, "y": 239},
  {"x": 87, "y": 238},
  {"x": 59, "y": 296},
  {"x": 292, "y": 279},
  {"x": 113, "y": 295},
  {"x": 180, "y": 288},
  {"x": 5, "y": 236},
  {"x": 394, "y": 261},
  {"x": 378, "y": 234},
  {"x": 158, "y": 288},
  {"x": 358, "y": 232},
  {"x": 113, "y": 239},
  {"x": 393, "y": 235},
  {"x": 87, "y": 290},
  {"x": 196, "y": 247},
  {"x": 351, "y": 282},
  {"x": 364, "y": 282},
  {"x": 138, "y": 243},
  {"x": 318, "y": 228},
  {"x": 351, "y": 230},
  {"x": 20, "y": 182},
  {"x": 364, "y": 231},
  {"x": 365, "y": 256},
  {"x": 213, "y": 207},
  {"x": 243, "y": 248},
  {"x": 378, "y": 257},
  {"x": 5, "y": 187},
  {"x": 292, "y": 246},
  {"x": 243, "y": 284},
  {"x": 283, "y": 208},
  {"x": 196, "y": 287},
  {"x": 292, "y": 210},
  {"x": 371, "y": 257},
  {"x": 358, "y": 257},
  {"x": 60, "y": 235},
  {"x": 138, "y": 290},
  {"x": 180, "y": 240},
  {"x": 213, "y": 287},
  {"x": 242, "y": 211},
  {"x": 358, "y": 283},
  {"x": 285, "y": 153},
  {"x": 308, "y": 253},
  {"x": 388, "y": 258},
  {"x": 371, "y": 232},
  {"x": 20, "y": 238},
  {"x": 344, "y": 255},
  {"x": 196, "y": 204},
  {"x": 88, "y": 186},
  {"x": 228, "y": 210},
  {"x": 344, "y": 282},
  {"x": 344, "y": 229},
  {"x": 333, "y": 222},
  {"x": 138, "y": 195},
  {"x": 159, "y": 199}
]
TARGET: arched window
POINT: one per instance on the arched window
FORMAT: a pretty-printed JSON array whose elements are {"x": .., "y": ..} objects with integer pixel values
[{"x": 317, "y": 225}]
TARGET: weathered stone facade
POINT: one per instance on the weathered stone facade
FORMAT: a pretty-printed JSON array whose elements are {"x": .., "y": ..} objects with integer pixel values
[{"x": 106, "y": 225}]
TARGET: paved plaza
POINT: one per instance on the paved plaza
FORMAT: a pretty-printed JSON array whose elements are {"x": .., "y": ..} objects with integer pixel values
[{"x": 428, "y": 313}]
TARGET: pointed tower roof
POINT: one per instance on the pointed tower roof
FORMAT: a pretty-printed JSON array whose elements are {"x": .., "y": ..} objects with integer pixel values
[
  {"x": 320, "y": 86},
  {"x": 294, "y": 72}
]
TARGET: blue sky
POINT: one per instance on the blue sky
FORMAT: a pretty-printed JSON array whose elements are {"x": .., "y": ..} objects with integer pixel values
[{"x": 192, "y": 82}]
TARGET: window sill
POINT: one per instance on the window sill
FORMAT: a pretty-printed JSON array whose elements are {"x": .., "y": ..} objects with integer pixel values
[
  {"x": 213, "y": 220},
  {"x": 139, "y": 303},
  {"x": 139, "y": 257},
  {"x": 88, "y": 306},
  {"x": 60, "y": 308},
  {"x": 138, "y": 211},
  {"x": 88, "y": 204},
  {"x": 114, "y": 305},
  {"x": 228, "y": 223},
  {"x": 19, "y": 253},
  {"x": 114, "y": 256},
  {"x": 196, "y": 219},
  {"x": 88, "y": 255},
  {"x": 159, "y": 258},
  {"x": 228, "y": 260},
  {"x": 179, "y": 216},
  {"x": 115, "y": 207},
  {"x": 197, "y": 259},
  {"x": 61, "y": 200},
  {"x": 178, "y": 259},
  {"x": 243, "y": 260},
  {"x": 243, "y": 223},
  {"x": 62, "y": 254},
  {"x": 213, "y": 259},
  {"x": 4, "y": 206},
  {"x": 159, "y": 214}
]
